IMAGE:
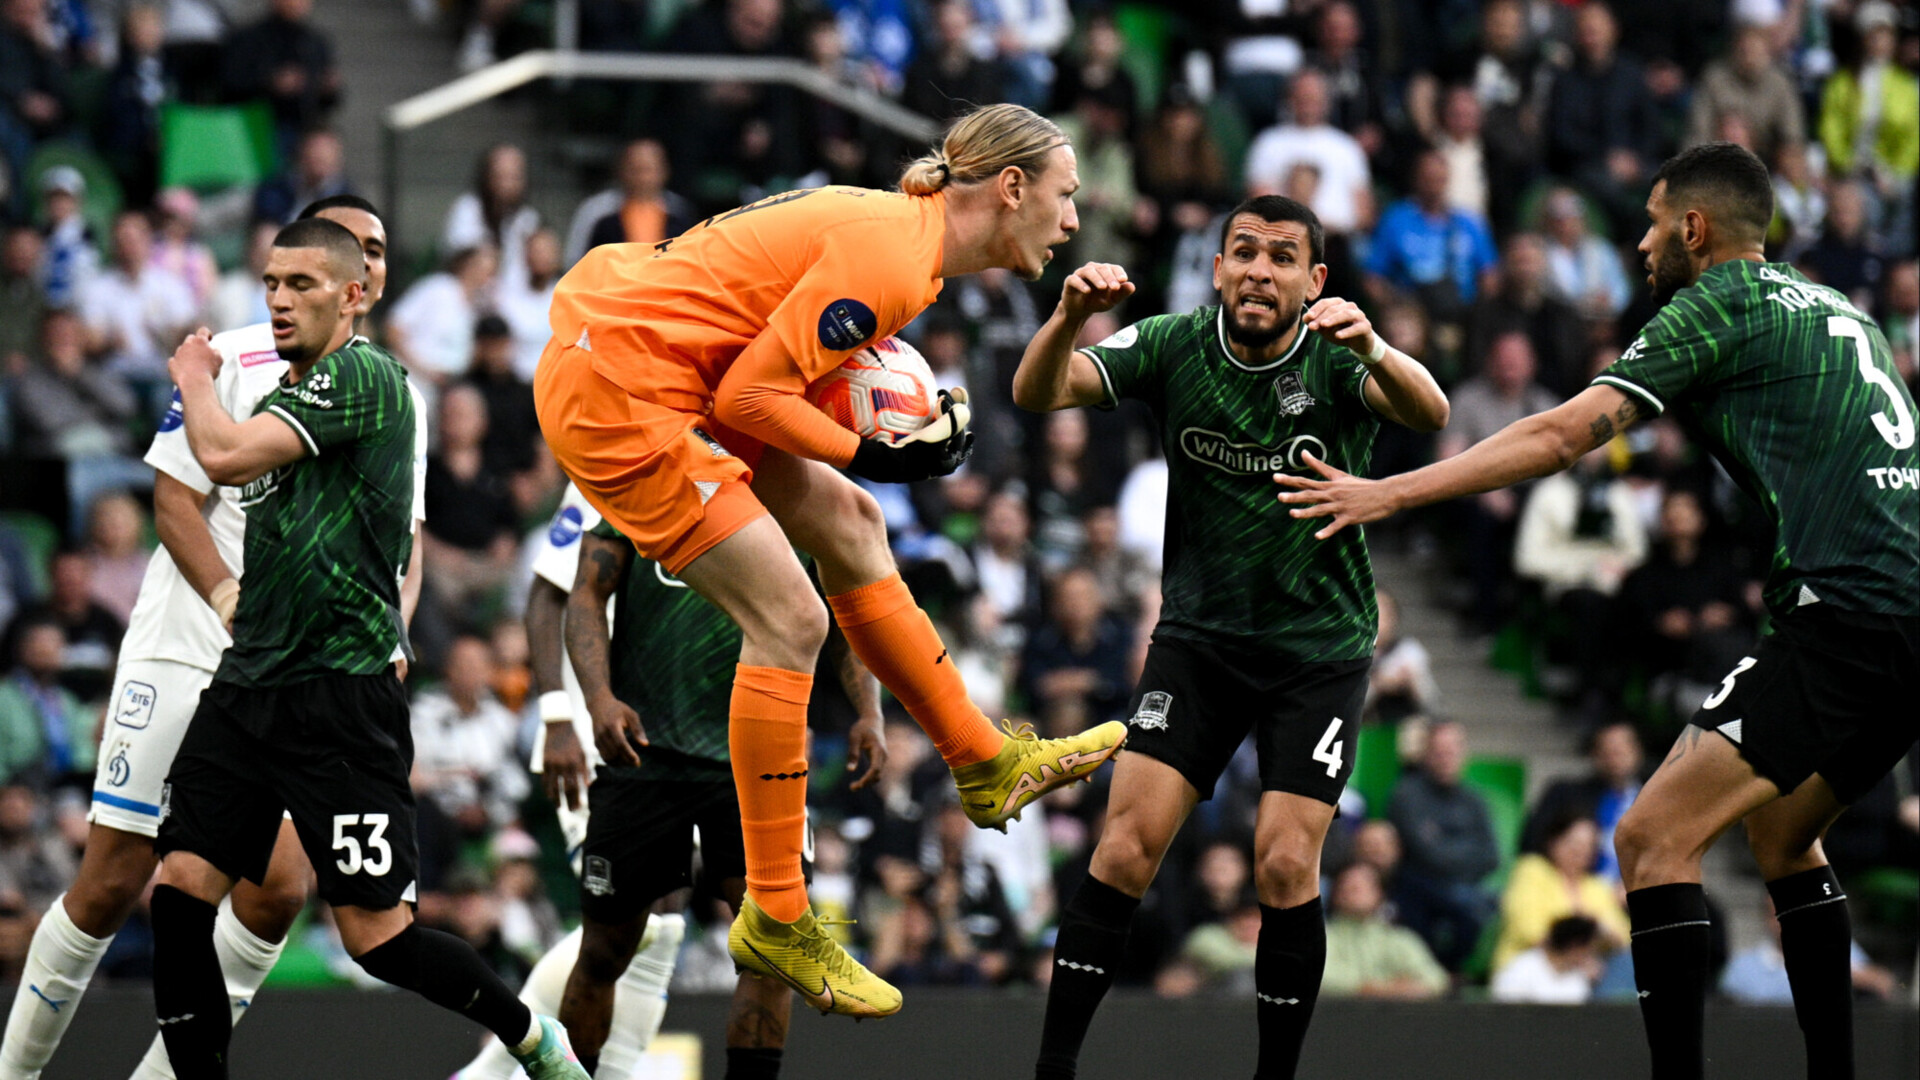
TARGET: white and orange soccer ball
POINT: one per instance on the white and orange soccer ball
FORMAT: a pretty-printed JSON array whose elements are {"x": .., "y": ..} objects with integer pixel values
[{"x": 885, "y": 391}]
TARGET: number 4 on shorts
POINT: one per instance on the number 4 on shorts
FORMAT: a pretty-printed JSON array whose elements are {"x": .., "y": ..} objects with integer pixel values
[{"x": 1329, "y": 748}]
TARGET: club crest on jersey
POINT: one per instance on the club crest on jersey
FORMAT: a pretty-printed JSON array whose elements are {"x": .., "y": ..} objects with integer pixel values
[
  {"x": 119, "y": 770},
  {"x": 1152, "y": 712},
  {"x": 598, "y": 878},
  {"x": 1292, "y": 393}
]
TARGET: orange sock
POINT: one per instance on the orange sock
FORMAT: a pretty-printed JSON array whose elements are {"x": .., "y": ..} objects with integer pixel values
[
  {"x": 767, "y": 739},
  {"x": 897, "y": 642}
]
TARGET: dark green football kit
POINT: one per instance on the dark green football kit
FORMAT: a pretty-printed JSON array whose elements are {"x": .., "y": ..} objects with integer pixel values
[
  {"x": 1793, "y": 390},
  {"x": 1262, "y": 627},
  {"x": 305, "y": 714}
]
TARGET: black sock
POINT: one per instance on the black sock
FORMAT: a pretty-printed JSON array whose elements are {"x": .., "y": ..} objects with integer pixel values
[
  {"x": 1816, "y": 937},
  {"x": 1672, "y": 935},
  {"x": 753, "y": 1062},
  {"x": 189, "y": 993},
  {"x": 1287, "y": 965},
  {"x": 1087, "y": 952},
  {"x": 446, "y": 971}
]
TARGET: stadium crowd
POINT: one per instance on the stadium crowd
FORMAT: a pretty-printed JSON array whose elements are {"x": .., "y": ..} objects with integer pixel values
[{"x": 1480, "y": 168}]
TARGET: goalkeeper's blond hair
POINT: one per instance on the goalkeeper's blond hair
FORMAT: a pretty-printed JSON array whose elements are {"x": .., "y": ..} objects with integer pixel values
[{"x": 980, "y": 145}]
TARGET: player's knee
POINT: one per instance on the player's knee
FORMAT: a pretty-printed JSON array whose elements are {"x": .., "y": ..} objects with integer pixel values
[
  {"x": 1284, "y": 870},
  {"x": 1650, "y": 851},
  {"x": 1125, "y": 859},
  {"x": 605, "y": 952},
  {"x": 269, "y": 911},
  {"x": 99, "y": 907}
]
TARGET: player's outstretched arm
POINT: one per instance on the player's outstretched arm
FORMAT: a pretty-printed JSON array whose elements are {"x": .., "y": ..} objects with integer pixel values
[
  {"x": 616, "y": 727},
  {"x": 1052, "y": 374},
  {"x": 231, "y": 453},
  {"x": 183, "y": 531},
  {"x": 1526, "y": 449},
  {"x": 1398, "y": 387}
]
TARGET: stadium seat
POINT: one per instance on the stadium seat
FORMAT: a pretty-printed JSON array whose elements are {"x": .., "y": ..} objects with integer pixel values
[
  {"x": 103, "y": 199},
  {"x": 1502, "y": 781},
  {"x": 211, "y": 147},
  {"x": 1146, "y": 29},
  {"x": 1890, "y": 895},
  {"x": 40, "y": 538},
  {"x": 1376, "y": 766}
]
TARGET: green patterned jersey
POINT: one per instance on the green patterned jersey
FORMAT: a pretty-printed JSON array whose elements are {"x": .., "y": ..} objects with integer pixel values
[
  {"x": 1239, "y": 570},
  {"x": 1793, "y": 389},
  {"x": 329, "y": 534},
  {"x": 671, "y": 658}
]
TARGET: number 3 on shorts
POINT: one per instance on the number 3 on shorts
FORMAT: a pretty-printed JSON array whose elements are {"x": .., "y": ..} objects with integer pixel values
[
  {"x": 352, "y": 863},
  {"x": 1329, "y": 748},
  {"x": 1726, "y": 684}
]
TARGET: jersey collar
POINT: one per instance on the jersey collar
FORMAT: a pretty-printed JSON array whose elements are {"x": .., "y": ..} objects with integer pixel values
[{"x": 1220, "y": 332}]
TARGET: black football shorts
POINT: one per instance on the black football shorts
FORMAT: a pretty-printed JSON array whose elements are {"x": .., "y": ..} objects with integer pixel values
[
  {"x": 1196, "y": 702},
  {"x": 1829, "y": 692},
  {"x": 639, "y": 844}
]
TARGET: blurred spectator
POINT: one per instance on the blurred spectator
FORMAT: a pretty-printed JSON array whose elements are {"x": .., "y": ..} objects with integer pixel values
[
  {"x": 471, "y": 528},
  {"x": 1870, "y": 119},
  {"x": 1096, "y": 67},
  {"x": 1556, "y": 883},
  {"x": 1757, "y": 974},
  {"x": 524, "y": 301},
  {"x": 137, "y": 311},
  {"x": 72, "y": 255},
  {"x": 1124, "y": 575},
  {"x": 1067, "y": 482},
  {"x": 495, "y": 212},
  {"x": 23, "y": 296},
  {"x": 1502, "y": 393},
  {"x": 463, "y": 744},
  {"x": 1367, "y": 955},
  {"x": 1112, "y": 214},
  {"x": 1683, "y": 611},
  {"x": 1142, "y": 508},
  {"x": 49, "y": 734},
  {"x": 35, "y": 863},
  {"x": 241, "y": 299},
  {"x": 65, "y": 407},
  {"x": 969, "y": 904},
  {"x": 1748, "y": 83},
  {"x": 646, "y": 212},
  {"x": 1602, "y": 795},
  {"x": 1459, "y": 141},
  {"x": 130, "y": 122},
  {"x": 1222, "y": 951},
  {"x": 1223, "y": 882},
  {"x": 472, "y": 913},
  {"x": 1077, "y": 659},
  {"x": 1443, "y": 256},
  {"x": 1799, "y": 204},
  {"x": 1401, "y": 681},
  {"x": 17, "y": 922},
  {"x": 529, "y": 924},
  {"x": 1559, "y": 971},
  {"x": 1448, "y": 843},
  {"x": 431, "y": 328},
  {"x": 33, "y": 85},
  {"x": 1847, "y": 256},
  {"x": 1344, "y": 198},
  {"x": 91, "y": 635},
  {"x": 285, "y": 61},
  {"x": 177, "y": 247},
  {"x": 1902, "y": 319},
  {"x": 733, "y": 139},
  {"x": 1601, "y": 127},
  {"x": 511, "y": 424},
  {"x": 1377, "y": 843},
  {"x": 878, "y": 36},
  {"x": 1339, "y": 54},
  {"x": 1524, "y": 301},
  {"x": 317, "y": 170},
  {"x": 1509, "y": 78},
  {"x": 1026, "y": 34},
  {"x": 1582, "y": 269},
  {"x": 116, "y": 550},
  {"x": 949, "y": 78},
  {"x": 1003, "y": 557}
]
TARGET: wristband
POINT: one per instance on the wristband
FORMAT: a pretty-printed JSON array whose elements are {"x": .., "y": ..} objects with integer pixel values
[
  {"x": 1378, "y": 353},
  {"x": 555, "y": 706}
]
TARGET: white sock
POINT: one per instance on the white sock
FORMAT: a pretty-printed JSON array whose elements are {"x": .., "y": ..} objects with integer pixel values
[
  {"x": 60, "y": 963},
  {"x": 546, "y": 984},
  {"x": 640, "y": 998},
  {"x": 245, "y": 960}
]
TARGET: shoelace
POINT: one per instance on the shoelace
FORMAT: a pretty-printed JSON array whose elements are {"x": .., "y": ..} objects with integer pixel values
[
  {"x": 1024, "y": 732},
  {"x": 829, "y": 952}
]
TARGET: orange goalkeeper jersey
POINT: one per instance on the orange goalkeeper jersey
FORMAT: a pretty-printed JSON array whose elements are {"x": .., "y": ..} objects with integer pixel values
[{"x": 828, "y": 270}]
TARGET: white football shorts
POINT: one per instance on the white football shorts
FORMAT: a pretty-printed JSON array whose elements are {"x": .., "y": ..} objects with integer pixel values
[{"x": 153, "y": 701}]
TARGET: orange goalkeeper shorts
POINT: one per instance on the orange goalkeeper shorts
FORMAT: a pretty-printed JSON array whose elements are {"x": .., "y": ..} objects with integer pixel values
[{"x": 673, "y": 481}]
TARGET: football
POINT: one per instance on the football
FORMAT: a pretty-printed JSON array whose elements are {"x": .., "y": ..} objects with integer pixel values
[{"x": 885, "y": 391}]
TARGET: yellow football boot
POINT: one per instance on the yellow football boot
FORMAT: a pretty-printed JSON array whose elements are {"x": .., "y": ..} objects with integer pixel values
[
  {"x": 804, "y": 957},
  {"x": 994, "y": 791}
]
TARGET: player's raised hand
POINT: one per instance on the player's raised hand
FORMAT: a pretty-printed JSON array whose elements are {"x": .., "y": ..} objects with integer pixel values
[
  {"x": 563, "y": 766},
  {"x": 1347, "y": 499},
  {"x": 616, "y": 729},
  {"x": 1341, "y": 322},
  {"x": 195, "y": 355},
  {"x": 1094, "y": 288},
  {"x": 866, "y": 741}
]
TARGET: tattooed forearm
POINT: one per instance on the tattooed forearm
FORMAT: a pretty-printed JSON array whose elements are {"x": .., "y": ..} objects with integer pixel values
[
  {"x": 606, "y": 568},
  {"x": 1600, "y": 432},
  {"x": 586, "y": 635},
  {"x": 1626, "y": 414}
]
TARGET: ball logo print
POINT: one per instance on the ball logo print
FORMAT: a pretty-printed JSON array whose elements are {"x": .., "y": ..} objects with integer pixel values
[{"x": 884, "y": 392}]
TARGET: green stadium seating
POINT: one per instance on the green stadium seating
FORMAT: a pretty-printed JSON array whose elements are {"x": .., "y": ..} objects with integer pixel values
[
  {"x": 39, "y": 536},
  {"x": 211, "y": 147},
  {"x": 1502, "y": 781},
  {"x": 1376, "y": 766}
]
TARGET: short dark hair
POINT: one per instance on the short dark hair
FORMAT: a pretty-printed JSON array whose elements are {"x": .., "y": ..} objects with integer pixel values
[
  {"x": 1728, "y": 178},
  {"x": 1280, "y": 208},
  {"x": 337, "y": 202},
  {"x": 1572, "y": 932},
  {"x": 342, "y": 247}
]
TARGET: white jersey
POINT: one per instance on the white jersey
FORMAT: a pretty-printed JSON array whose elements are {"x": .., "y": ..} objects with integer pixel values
[
  {"x": 555, "y": 562},
  {"x": 171, "y": 621}
]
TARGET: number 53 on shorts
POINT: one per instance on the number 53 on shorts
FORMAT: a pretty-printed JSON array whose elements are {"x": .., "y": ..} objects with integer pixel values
[{"x": 378, "y": 856}]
